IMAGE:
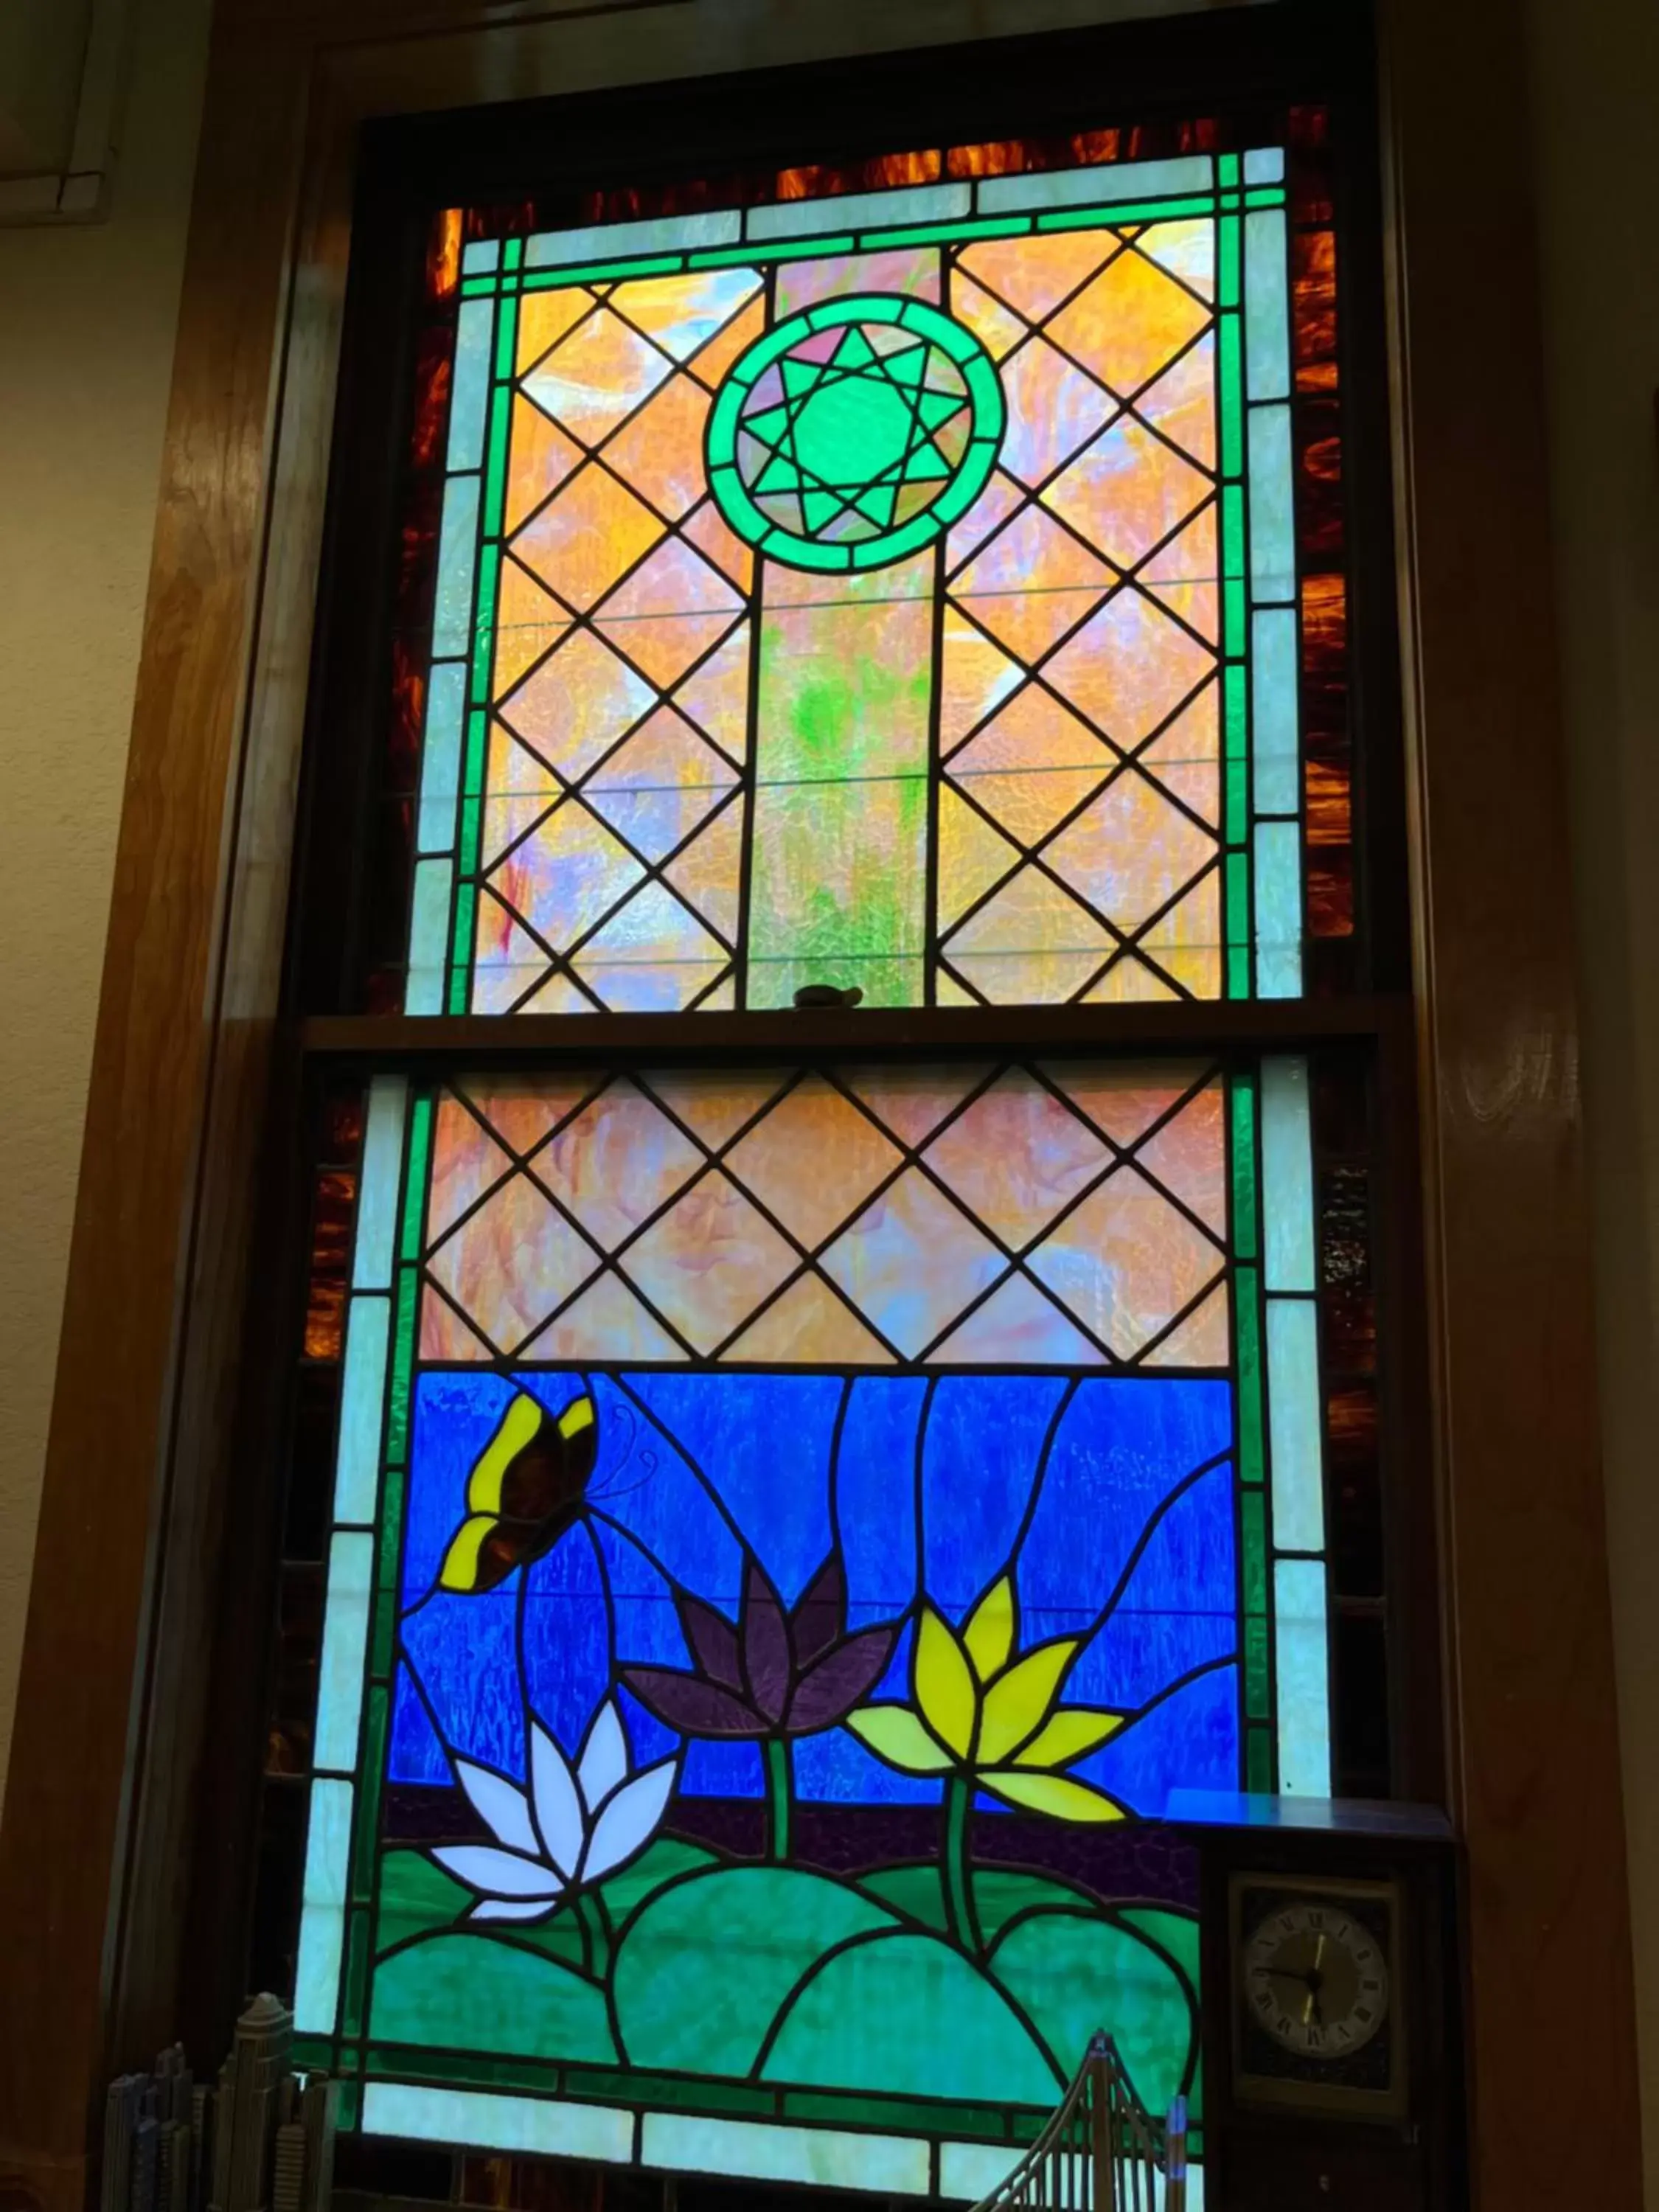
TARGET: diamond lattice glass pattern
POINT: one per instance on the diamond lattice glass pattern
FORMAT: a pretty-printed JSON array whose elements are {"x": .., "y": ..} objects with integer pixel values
[
  {"x": 896, "y": 606},
  {"x": 1017, "y": 1229}
]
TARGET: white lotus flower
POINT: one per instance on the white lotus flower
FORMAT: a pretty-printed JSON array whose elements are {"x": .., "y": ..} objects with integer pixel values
[{"x": 569, "y": 1830}]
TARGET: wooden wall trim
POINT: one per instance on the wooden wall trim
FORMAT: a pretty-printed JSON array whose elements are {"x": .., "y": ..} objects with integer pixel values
[
  {"x": 112, "y": 1721},
  {"x": 1532, "y": 1722},
  {"x": 93, "y": 1851}
]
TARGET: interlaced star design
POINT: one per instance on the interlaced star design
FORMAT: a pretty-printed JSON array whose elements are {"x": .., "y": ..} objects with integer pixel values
[{"x": 851, "y": 435}]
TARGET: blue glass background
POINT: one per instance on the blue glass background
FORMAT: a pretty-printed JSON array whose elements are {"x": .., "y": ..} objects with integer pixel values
[{"x": 1112, "y": 1496}]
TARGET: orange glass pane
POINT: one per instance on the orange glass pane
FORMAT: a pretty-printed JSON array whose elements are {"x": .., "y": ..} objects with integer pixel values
[
  {"x": 578, "y": 703},
  {"x": 1018, "y": 1323},
  {"x": 1185, "y": 758},
  {"x": 1130, "y": 323},
  {"x": 540, "y": 458},
  {"x": 709, "y": 1262},
  {"x": 1032, "y": 765},
  {"x": 1034, "y": 275},
  {"x": 1032, "y": 583},
  {"x": 607, "y": 1321},
  {"x": 465, "y": 1161},
  {"x": 1186, "y": 249},
  {"x": 443, "y": 1334},
  {"x": 669, "y": 613},
  {"x": 1125, "y": 1263},
  {"x": 1186, "y": 942},
  {"x": 586, "y": 536},
  {"x": 529, "y": 622},
  {"x": 1188, "y": 1156},
  {"x": 711, "y": 362},
  {"x": 660, "y": 452},
  {"x": 1031, "y": 944},
  {"x": 1130, "y": 851},
  {"x": 912, "y": 1261},
  {"x": 1016, "y": 1156},
  {"x": 682, "y": 314},
  {"x": 1129, "y": 667},
  {"x": 522, "y": 1109},
  {"x": 511, "y": 1263},
  {"x": 975, "y": 676},
  {"x": 715, "y": 695},
  {"x": 616, "y": 1163},
  {"x": 566, "y": 875},
  {"x": 508, "y": 960},
  {"x": 596, "y": 376},
  {"x": 1053, "y": 409},
  {"x": 1204, "y": 1339},
  {"x": 656, "y": 788},
  {"x": 972, "y": 856},
  {"x": 707, "y": 530},
  {"x": 708, "y": 875},
  {"x": 913, "y": 272},
  {"x": 813, "y": 1160},
  {"x": 651, "y": 956},
  {"x": 1127, "y": 491},
  {"x": 1182, "y": 576},
  {"x": 808, "y": 1322},
  {"x": 543, "y": 319},
  {"x": 1182, "y": 402}
]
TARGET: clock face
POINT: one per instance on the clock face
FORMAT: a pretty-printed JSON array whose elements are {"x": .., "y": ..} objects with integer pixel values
[{"x": 1315, "y": 1979}]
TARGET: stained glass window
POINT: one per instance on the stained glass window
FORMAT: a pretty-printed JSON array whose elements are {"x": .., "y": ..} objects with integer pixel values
[
  {"x": 781, "y": 1536},
  {"x": 789, "y": 1527},
  {"x": 933, "y": 590}
]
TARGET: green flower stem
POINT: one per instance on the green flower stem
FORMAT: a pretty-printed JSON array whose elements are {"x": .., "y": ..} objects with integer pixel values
[
  {"x": 780, "y": 1788},
  {"x": 958, "y": 1882},
  {"x": 596, "y": 1939}
]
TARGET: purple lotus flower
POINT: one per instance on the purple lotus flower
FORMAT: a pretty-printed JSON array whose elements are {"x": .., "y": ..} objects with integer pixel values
[{"x": 778, "y": 1673}]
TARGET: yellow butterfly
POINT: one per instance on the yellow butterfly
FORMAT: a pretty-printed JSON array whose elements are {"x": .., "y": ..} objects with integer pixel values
[{"x": 524, "y": 1493}]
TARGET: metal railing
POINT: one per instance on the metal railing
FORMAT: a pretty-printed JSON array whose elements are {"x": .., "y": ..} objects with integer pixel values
[{"x": 1101, "y": 2152}]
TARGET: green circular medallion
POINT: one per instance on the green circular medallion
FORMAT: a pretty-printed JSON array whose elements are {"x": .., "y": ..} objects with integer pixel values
[{"x": 855, "y": 433}]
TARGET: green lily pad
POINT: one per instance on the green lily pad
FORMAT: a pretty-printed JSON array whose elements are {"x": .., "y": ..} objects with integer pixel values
[
  {"x": 918, "y": 1892},
  {"x": 660, "y": 1863},
  {"x": 417, "y": 1896},
  {"x": 1072, "y": 1974},
  {"x": 1177, "y": 1931},
  {"x": 910, "y": 2015},
  {"x": 478, "y": 1993},
  {"x": 1000, "y": 1892},
  {"x": 704, "y": 1969}
]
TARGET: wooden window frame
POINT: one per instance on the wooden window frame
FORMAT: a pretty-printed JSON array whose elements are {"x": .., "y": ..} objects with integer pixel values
[{"x": 147, "y": 1547}]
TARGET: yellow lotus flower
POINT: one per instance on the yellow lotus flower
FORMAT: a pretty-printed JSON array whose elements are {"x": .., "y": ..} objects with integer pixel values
[{"x": 981, "y": 1713}]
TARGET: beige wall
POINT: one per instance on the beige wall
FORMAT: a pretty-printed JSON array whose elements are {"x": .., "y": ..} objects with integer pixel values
[
  {"x": 87, "y": 319},
  {"x": 85, "y": 353},
  {"x": 1595, "y": 98}
]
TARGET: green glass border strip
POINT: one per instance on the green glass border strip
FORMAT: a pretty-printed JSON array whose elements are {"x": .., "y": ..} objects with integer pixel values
[
  {"x": 458, "y": 979},
  {"x": 1255, "y": 1555},
  {"x": 1237, "y": 928}
]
